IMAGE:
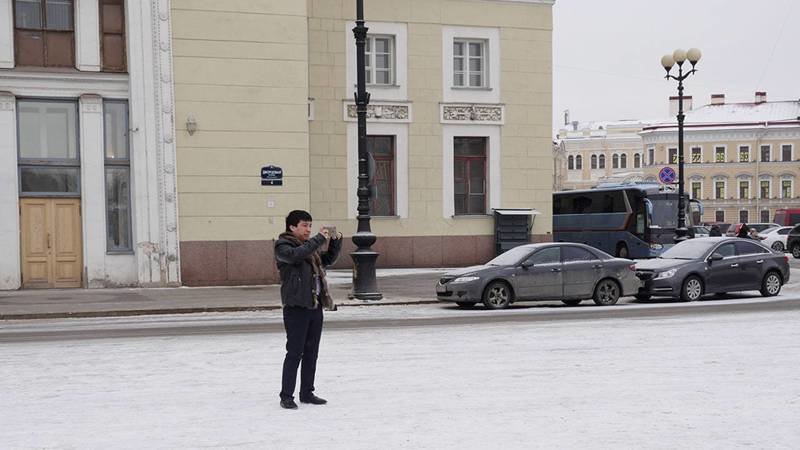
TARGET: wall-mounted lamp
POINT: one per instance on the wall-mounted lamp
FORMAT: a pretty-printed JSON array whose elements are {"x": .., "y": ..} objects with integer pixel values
[{"x": 191, "y": 125}]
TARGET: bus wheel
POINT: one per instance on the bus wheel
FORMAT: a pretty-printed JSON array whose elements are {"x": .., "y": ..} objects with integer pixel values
[{"x": 622, "y": 250}]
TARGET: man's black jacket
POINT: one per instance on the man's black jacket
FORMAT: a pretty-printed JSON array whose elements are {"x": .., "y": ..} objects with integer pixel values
[{"x": 297, "y": 273}]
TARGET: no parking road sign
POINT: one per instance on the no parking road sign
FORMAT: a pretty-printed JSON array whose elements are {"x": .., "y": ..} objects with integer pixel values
[{"x": 667, "y": 175}]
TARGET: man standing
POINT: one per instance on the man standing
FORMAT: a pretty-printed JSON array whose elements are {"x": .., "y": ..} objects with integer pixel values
[{"x": 304, "y": 292}]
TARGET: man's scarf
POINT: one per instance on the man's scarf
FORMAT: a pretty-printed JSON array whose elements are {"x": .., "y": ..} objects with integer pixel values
[{"x": 319, "y": 271}]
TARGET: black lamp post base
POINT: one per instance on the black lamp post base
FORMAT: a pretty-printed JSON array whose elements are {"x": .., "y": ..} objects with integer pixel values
[{"x": 365, "y": 286}]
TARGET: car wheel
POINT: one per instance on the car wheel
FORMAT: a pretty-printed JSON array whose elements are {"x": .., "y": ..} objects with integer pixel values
[
  {"x": 497, "y": 295},
  {"x": 777, "y": 246},
  {"x": 606, "y": 293},
  {"x": 643, "y": 297},
  {"x": 466, "y": 305},
  {"x": 796, "y": 250},
  {"x": 572, "y": 302},
  {"x": 692, "y": 289},
  {"x": 622, "y": 251},
  {"x": 771, "y": 284}
]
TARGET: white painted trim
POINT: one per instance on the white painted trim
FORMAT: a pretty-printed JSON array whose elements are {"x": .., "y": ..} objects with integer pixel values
[
  {"x": 692, "y": 181},
  {"x": 65, "y": 84},
  {"x": 714, "y": 182},
  {"x": 93, "y": 203},
  {"x": 449, "y": 132},
  {"x": 691, "y": 156},
  {"x": 739, "y": 153},
  {"x": 87, "y": 35},
  {"x": 739, "y": 182},
  {"x": 10, "y": 262},
  {"x": 760, "y": 147},
  {"x": 489, "y": 94},
  {"x": 398, "y": 91},
  {"x": 768, "y": 179},
  {"x": 791, "y": 145},
  {"x": 714, "y": 153},
  {"x": 6, "y": 34},
  {"x": 789, "y": 179},
  {"x": 400, "y": 132}
]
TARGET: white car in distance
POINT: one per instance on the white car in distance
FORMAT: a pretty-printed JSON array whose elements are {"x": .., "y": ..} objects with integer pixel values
[{"x": 775, "y": 237}]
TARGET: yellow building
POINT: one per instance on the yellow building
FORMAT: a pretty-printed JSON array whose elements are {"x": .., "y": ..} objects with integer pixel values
[{"x": 459, "y": 125}]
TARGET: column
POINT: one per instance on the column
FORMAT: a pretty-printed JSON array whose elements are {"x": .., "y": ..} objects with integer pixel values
[
  {"x": 9, "y": 195},
  {"x": 87, "y": 35},
  {"x": 6, "y": 34},
  {"x": 93, "y": 189}
]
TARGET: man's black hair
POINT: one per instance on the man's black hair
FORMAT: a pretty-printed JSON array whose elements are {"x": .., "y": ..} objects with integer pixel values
[{"x": 296, "y": 216}]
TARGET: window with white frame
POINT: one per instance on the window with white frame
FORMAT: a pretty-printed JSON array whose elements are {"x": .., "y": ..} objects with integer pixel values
[
  {"x": 615, "y": 161},
  {"x": 719, "y": 189},
  {"x": 571, "y": 163},
  {"x": 578, "y": 162},
  {"x": 118, "y": 176},
  {"x": 719, "y": 154},
  {"x": 765, "y": 188},
  {"x": 651, "y": 156},
  {"x": 623, "y": 161},
  {"x": 593, "y": 162},
  {"x": 379, "y": 60},
  {"x": 382, "y": 150},
  {"x": 744, "y": 153},
  {"x": 787, "y": 188},
  {"x": 765, "y": 215},
  {"x": 766, "y": 153},
  {"x": 469, "y": 63},
  {"x": 602, "y": 162},
  {"x": 470, "y": 174},
  {"x": 672, "y": 155},
  {"x": 697, "y": 189},
  {"x": 697, "y": 155},
  {"x": 719, "y": 216},
  {"x": 744, "y": 189},
  {"x": 744, "y": 216},
  {"x": 637, "y": 161},
  {"x": 786, "y": 152}
]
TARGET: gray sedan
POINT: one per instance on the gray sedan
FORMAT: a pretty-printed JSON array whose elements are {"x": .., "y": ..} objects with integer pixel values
[
  {"x": 553, "y": 271},
  {"x": 714, "y": 265}
]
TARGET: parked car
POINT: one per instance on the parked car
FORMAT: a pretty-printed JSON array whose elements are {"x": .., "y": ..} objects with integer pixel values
[
  {"x": 775, "y": 238},
  {"x": 723, "y": 226},
  {"x": 698, "y": 231},
  {"x": 568, "y": 272},
  {"x": 734, "y": 229},
  {"x": 787, "y": 216},
  {"x": 793, "y": 241},
  {"x": 714, "y": 265}
]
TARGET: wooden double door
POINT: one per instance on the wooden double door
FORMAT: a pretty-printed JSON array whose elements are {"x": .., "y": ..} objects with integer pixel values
[{"x": 51, "y": 242}]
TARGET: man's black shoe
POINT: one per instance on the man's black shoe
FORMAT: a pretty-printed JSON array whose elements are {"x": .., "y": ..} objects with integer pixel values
[
  {"x": 288, "y": 403},
  {"x": 314, "y": 400}
]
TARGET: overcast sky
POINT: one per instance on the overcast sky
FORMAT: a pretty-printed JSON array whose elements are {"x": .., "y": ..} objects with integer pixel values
[{"x": 606, "y": 54}]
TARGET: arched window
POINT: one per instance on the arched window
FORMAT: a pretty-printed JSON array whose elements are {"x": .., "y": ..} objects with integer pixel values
[
  {"x": 637, "y": 161},
  {"x": 602, "y": 163},
  {"x": 578, "y": 162},
  {"x": 615, "y": 161},
  {"x": 571, "y": 163},
  {"x": 594, "y": 161},
  {"x": 623, "y": 161}
]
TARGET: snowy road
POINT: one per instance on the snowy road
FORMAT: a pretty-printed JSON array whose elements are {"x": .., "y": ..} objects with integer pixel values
[{"x": 715, "y": 380}]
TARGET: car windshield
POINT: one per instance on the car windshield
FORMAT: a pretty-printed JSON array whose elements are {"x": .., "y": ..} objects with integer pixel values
[
  {"x": 665, "y": 213},
  {"x": 690, "y": 249},
  {"x": 511, "y": 257}
]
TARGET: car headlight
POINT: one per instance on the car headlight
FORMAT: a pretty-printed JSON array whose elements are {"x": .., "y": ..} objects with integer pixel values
[
  {"x": 464, "y": 279},
  {"x": 667, "y": 274},
  {"x": 656, "y": 246}
]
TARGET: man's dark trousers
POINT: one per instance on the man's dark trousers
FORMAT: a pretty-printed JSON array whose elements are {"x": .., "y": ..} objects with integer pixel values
[{"x": 303, "y": 330}]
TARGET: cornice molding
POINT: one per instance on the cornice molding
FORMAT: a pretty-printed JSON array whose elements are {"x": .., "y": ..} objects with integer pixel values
[{"x": 22, "y": 83}]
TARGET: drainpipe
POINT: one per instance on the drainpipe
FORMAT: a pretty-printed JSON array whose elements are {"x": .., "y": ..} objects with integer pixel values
[{"x": 759, "y": 137}]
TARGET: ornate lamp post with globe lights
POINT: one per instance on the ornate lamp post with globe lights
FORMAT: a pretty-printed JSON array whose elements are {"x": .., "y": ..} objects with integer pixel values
[{"x": 668, "y": 61}]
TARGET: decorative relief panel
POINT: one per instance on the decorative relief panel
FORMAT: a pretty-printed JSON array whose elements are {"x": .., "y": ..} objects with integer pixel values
[
  {"x": 380, "y": 113},
  {"x": 489, "y": 114}
]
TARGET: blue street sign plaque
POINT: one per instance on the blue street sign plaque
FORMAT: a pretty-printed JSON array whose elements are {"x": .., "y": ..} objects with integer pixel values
[
  {"x": 271, "y": 176},
  {"x": 667, "y": 175}
]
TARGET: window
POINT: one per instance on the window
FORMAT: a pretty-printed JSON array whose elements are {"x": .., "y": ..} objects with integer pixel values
[
  {"x": 599, "y": 202},
  {"x": 744, "y": 189},
  {"x": 578, "y": 162},
  {"x": 766, "y": 151},
  {"x": 651, "y": 156},
  {"x": 719, "y": 216},
  {"x": 571, "y": 163},
  {"x": 382, "y": 150},
  {"x": 470, "y": 175},
  {"x": 787, "y": 190},
  {"x": 44, "y": 33},
  {"x": 765, "y": 218},
  {"x": 379, "y": 60},
  {"x": 765, "y": 189},
  {"x": 593, "y": 162},
  {"x": 576, "y": 254},
  {"x": 637, "y": 161},
  {"x": 719, "y": 189},
  {"x": 697, "y": 189},
  {"x": 469, "y": 63},
  {"x": 112, "y": 31},
  {"x": 726, "y": 250},
  {"x": 48, "y": 147},
  {"x": 719, "y": 154},
  {"x": 697, "y": 155},
  {"x": 672, "y": 156},
  {"x": 623, "y": 161},
  {"x": 786, "y": 152},
  {"x": 118, "y": 176},
  {"x": 744, "y": 153},
  {"x": 615, "y": 161},
  {"x": 602, "y": 162},
  {"x": 744, "y": 216},
  {"x": 744, "y": 248},
  {"x": 547, "y": 255}
]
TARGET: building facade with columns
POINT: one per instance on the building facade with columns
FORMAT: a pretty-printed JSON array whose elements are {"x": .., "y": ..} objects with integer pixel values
[
  {"x": 459, "y": 124},
  {"x": 742, "y": 159},
  {"x": 87, "y": 170}
]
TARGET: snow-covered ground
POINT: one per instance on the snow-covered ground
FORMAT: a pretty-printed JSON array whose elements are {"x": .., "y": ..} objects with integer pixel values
[{"x": 711, "y": 381}]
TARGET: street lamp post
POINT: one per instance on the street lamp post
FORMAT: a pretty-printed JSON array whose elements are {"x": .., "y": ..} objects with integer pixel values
[
  {"x": 668, "y": 61},
  {"x": 365, "y": 287}
]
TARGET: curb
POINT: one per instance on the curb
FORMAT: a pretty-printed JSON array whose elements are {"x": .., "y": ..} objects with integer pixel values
[{"x": 196, "y": 310}]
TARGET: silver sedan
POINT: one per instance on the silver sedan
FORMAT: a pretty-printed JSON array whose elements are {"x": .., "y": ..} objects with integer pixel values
[{"x": 551, "y": 271}]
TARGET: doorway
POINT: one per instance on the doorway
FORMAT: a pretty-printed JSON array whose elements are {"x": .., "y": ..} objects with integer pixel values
[{"x": 51, "y": 243}]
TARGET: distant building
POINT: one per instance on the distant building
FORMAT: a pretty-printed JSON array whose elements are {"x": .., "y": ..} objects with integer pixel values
[{"x": 742, "y": 159}]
